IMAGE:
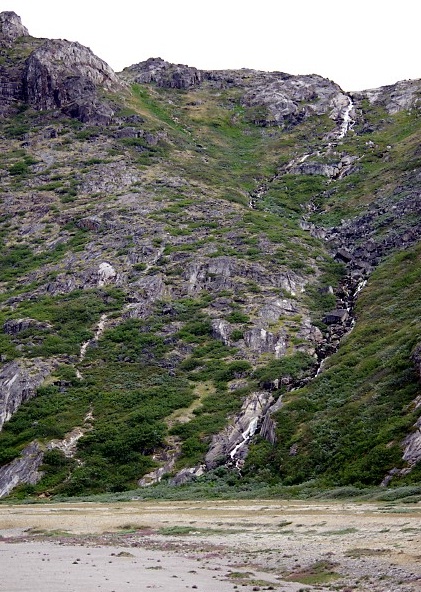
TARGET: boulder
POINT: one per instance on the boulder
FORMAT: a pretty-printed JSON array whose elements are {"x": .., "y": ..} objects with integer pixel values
[{"x": 336, "y": 316}]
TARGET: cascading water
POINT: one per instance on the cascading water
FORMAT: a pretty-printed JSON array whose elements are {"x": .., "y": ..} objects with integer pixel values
[
  {"x": 99, "y": 331},
  {"x": 347, "y": 121},
  {"x": 246, "y": 436}
]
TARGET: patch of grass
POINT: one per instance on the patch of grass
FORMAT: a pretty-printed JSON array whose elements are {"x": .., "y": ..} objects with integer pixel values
[{"x": 321, "y": 572}]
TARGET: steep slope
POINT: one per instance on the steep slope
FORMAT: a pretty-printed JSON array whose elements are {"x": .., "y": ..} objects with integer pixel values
[{"x": 182, "y": 247}]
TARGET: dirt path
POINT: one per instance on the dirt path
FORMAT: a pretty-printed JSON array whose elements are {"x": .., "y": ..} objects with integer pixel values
[{"x": 213, "y": 546}]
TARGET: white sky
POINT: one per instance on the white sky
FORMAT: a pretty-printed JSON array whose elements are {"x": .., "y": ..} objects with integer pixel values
[{"x": 360, "y": 44}]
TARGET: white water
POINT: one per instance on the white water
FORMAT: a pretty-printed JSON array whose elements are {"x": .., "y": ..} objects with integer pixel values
[
  {"x": 303, "y": 158},
  {"x": 246, "y": 435},
  {"x": 320, "y": 368},
  {"x": 99, "y": 331},
  {"x": 347, "y": 121},
  {"x": 360, "y": 286}
]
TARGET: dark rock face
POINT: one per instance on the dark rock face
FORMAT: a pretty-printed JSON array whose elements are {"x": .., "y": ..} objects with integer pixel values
[
  {"x": 11, "y": 28},
  {"x": 15, "y": 326},
  {"x": 336, "y": 316},
  {"x": 390, "y": 224},
  {"x": 65, "y": 75},
  {"x": 57, "y": 74}
]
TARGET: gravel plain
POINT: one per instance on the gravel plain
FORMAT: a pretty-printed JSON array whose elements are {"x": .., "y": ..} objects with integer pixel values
[{"x": 211, "y": 546}]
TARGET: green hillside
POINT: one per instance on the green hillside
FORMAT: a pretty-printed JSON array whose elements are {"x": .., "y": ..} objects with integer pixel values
[{"x": 174, "y": 245}]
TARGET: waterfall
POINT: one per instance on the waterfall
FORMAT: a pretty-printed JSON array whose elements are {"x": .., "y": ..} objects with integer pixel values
[
  {"x": 246, "y": 436},
  {"x": 99, "y": 331},
  {"x": 347, "y": 121}
]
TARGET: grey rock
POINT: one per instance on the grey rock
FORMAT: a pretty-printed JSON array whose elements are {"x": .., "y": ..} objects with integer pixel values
[
  {"x": 168, "y": 458},
  {"x": 65, "y": 75},
  {"x": 222, "y": 273},
  {"x": 146, "y": 291},
  {"x": 412, "y": 445},
  {"x": 15, "y": 326},
  {"x": 109, "y": 178},
  {"x": 401, "y": 96},
  {"x": 188, "y": 474},
  {"x": 291, "y": 99},
  {"x": 309, "y": 332},
  {"x": 19, "y": 381},
  {"x": 129, "y": 132},
  {"x": 317, "y": 168},
  {"x": 336, "y": 316},
  {"x": 230, "y": 445},
  {"x": 163, "y": 73},
  {"x": 11, "y": 28},
  {"x": 260, "y": 341},
  {"x": 221, "y": 329},
  {"x": 90, "y": 223},
  {"x": 268, "y": 429},
  {"x": 22, "y": 470},
  {"x": 273, "y": 309}
]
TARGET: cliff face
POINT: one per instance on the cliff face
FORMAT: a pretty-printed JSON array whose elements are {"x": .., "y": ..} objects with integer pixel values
[
  {"x": 50, "y": 74},
  {"x": 11, "y": 28},
  {"x": 184, "y": 256}
]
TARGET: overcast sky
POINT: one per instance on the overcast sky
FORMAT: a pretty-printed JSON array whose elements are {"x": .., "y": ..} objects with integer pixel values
[{"x": 359, "y": 44}]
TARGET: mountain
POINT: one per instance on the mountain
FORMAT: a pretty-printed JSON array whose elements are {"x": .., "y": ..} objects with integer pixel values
[{"x": 204, "y": 271}]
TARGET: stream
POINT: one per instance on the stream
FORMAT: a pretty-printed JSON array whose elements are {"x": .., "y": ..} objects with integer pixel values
[
  {"x": 83, "y": 348},
  {"x": 347, "y": 122}
]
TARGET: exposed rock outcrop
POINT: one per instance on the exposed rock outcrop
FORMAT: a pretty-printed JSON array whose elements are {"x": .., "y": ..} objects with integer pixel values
[
  {"x": 222, "y": 330},
  {"x": 231, "y": 444},
  {"x": 291, "y": 99},
  {"x": 391, "y": 223},
  {"x": 261, "y": 341},
  {"x": 19, "y": 381},
  {"x": 164, "y": 74},
  {"x": 167, "y": 458},
  {"x": 401, "y": 96},
  {"x": 337, "y": 170},
  {"x": 15, "y": 326},
  {"x": 11, "y": 28},
  {"x": 22, "y": 470},
  {"x": 66, "y": 75},
  {"x": 221, "y": 273}
]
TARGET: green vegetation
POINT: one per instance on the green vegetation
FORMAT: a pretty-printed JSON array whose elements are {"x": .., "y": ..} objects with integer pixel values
[{"x": 65, "y": 321}]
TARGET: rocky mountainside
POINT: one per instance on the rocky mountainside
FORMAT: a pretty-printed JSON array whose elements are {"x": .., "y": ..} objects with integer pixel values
[{"x": 204, "y": 270}]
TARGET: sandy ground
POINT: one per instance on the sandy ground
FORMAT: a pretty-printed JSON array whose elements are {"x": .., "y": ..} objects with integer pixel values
[{"x": 211, "y": 546}]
